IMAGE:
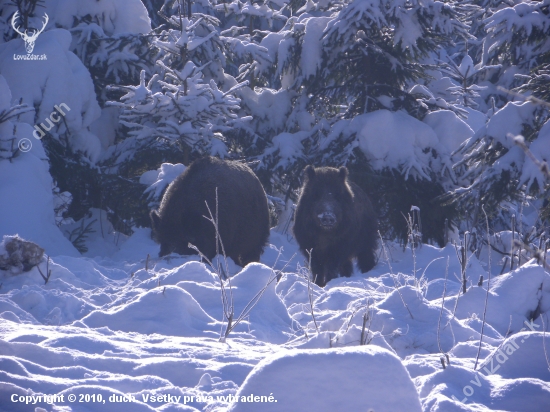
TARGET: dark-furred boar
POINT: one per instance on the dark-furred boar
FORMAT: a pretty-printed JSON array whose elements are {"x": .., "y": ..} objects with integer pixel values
[
  {"x": 243, "y": 216},
  {"x": 335, "y": 220}
]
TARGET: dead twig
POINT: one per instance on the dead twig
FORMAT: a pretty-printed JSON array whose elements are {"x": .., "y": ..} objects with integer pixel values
[
  {"x": 309, "y": 290},
  {"x": 48, "y": 271},
  {"x": 488, "y": 287},
  {"x": 441, "y": 314}
]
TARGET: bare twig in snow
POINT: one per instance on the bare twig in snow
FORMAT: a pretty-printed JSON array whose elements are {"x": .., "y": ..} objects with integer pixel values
[
  {"x": 48, "y": 271},
  {"x": 488, "y": 287},
  {"x": 441, "y": 313}
]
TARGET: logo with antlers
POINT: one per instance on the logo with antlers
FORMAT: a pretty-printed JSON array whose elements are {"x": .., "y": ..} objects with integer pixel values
[{"x": 29, "y": 39}]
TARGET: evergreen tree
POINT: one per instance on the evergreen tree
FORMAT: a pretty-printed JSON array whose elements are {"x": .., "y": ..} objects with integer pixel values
[
  {"x": 372, "y": 51},
  {"x": 496, "y": 172},
  {"x": 154, "y": 7},
  {"x": 516, "y": 38},
  {"x": 114, "y": 47},
  {"x": 538, "y": 83},
  {"x": 111, "y": 59},
  {"x": 179, "y": 109},
  {"x": 464, "y": 74},
  {"x": 340, "y": 62}
]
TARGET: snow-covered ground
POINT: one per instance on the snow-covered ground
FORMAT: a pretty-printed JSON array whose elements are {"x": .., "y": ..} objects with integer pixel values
[{"x": 128, "y": 333}]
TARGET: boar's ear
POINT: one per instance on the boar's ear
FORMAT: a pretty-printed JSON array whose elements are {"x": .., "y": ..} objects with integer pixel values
[
  {"x": 310, "y": 172},
  {"x": 155, "y": 219},
  {"x": 343, "y": 172}
]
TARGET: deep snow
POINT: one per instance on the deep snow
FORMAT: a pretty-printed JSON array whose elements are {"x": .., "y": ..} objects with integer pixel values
[{"x": 123, "y": 337}]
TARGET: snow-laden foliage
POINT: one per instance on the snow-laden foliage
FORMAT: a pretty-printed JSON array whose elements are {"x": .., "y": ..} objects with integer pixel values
[
  {"x": 497, "y": 170},
  {"x": 99, "y": 43},
  {"x": 464, "y": 74},
  {"x": 276, "y": 83},
  {"x": 183, "y": 111},
  {"x": 517, "y": 35},
  {"x": 116, "y": 59},
  {"x": 336, "y": 63},
  {"x": 194, "y": 39},
  {"x": 511, "y": 41},
  {"x": 371, "y": 49},
  {"x": 112, "y": 16},
  {"x": 254, "y": 14},
  {"x": 158, "y": 180},
  {"x": 105, "y": 33},
  {"x": 538, "y": 81}
]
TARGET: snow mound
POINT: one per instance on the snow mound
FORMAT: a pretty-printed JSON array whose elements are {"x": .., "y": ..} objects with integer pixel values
[
  {"x": 268, "y": 320},
  {"x": 62, "y": 80},
  {"x": 148, "y": 314},
  {"x": 138, "y": 244},
  {"x": 513, "y": 298},
  {"x": 26, "y": 193},
  {"x": 522, "y": 355},
  {"x": 408, "y": 323},
  {"x": 150, "y": 327},
  {"x": 345, "y": 379},
  {"x": 461, "y": 389}
]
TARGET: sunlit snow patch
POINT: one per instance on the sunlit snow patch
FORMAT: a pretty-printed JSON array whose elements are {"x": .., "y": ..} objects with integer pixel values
[{"x": 345, "y": 379}]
